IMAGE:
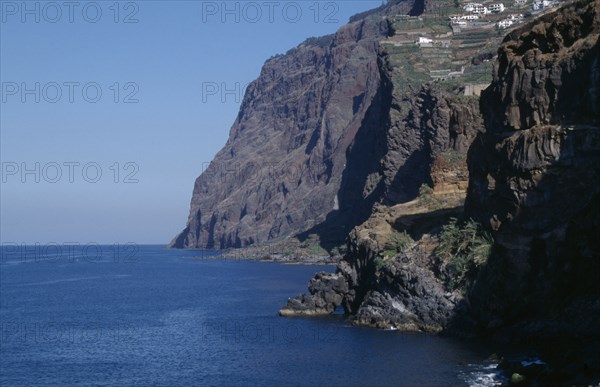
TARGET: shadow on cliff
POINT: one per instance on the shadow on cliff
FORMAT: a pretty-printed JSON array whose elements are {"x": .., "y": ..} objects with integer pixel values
[
  {"x": 362, "y": 160},
  {"x": 545, "y": 266},
  {"x": 415, "y": 172}
]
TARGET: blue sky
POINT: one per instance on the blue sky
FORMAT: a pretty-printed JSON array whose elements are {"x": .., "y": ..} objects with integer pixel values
[{"x": 110, "y": 110}]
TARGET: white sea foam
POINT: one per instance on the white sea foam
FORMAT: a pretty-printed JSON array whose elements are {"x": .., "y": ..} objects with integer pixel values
[{"x": 483, "y": 375}]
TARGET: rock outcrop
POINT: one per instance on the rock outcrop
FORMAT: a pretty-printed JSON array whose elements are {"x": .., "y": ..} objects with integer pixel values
[
  {"x": 402, "y": 291},
  {"x": 547, "y": 73},
  {"x": 326, "y": 294}
]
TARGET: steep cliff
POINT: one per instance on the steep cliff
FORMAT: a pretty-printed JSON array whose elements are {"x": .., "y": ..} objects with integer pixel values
[
  {"x": 328, "y": 130},
  {"x": 282, "y": 168}
]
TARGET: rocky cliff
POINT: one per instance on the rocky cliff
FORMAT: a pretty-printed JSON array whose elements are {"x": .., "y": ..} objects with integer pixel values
[
  {"x": 328, "y": 130},
  {"x": 534, "y": 186},
  {"x": 386, "y": 289},
  {"x": 281, "y": 170},
  {"x": 535, "y": 177}
]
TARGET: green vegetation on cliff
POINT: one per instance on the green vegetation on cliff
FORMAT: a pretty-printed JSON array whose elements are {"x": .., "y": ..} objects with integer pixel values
[{"x": 463, "y": 249}]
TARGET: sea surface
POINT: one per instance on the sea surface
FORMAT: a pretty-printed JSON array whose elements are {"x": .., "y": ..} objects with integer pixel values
[{"x": 148, "y": 316}]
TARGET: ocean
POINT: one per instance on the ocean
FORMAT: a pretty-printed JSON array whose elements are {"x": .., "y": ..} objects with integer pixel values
[{"x": 131, "y": 315}]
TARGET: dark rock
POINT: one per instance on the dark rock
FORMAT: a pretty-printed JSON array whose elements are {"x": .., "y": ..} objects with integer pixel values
[
  {"x": 547, "y": 73},
  {"x": 407, "y": 297},
  {"x": 326, "y": 293},
  {"x": 535, "y": 177}
]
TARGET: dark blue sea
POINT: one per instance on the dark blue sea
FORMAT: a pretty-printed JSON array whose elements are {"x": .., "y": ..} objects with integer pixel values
[{"x": 148, "y": 316}]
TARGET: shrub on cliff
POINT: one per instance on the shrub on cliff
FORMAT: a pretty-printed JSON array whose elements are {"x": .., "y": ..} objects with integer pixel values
[
  {"x": 464, "y": 248},
  {"x": 396, "y": 243}
]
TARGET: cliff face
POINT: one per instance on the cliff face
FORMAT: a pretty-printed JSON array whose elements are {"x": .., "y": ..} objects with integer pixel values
[
  {"x": 280, "y": 169},
  {"x": 535, "y": 174},
  {"x": 326, "y": 131},
  {"x": 289, "y": 157},
  {"x": 427, "y": 143}
]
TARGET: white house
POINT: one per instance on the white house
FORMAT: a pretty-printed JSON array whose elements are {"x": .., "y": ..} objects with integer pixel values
[
  {"x": 470, "y": 7},
  {"x": 423, "y": 40},
  {"x": 538, "y": 5},
  {"x": 496, "y": 7},
  {"x": 462, "y": 20},
  {"x": 481, "y": 10},
  {"x": 520, "y": 3},
  {"x": 505, "y": 23}
]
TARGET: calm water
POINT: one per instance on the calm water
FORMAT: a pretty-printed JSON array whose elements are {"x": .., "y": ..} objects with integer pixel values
[{"x": 166, "y": 318}]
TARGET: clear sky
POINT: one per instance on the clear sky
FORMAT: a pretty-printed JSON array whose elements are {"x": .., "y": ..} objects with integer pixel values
[{"x": 110, "y": 109}]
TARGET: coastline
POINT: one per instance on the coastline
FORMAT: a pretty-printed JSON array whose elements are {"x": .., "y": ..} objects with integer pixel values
[{"x": 240, "y": 255}]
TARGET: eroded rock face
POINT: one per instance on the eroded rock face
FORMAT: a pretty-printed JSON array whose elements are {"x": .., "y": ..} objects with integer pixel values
[
  {"x": 535, "y": 174},
  {"x": 547, "y": 73},
  {"x": 424, "y": 125}
]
